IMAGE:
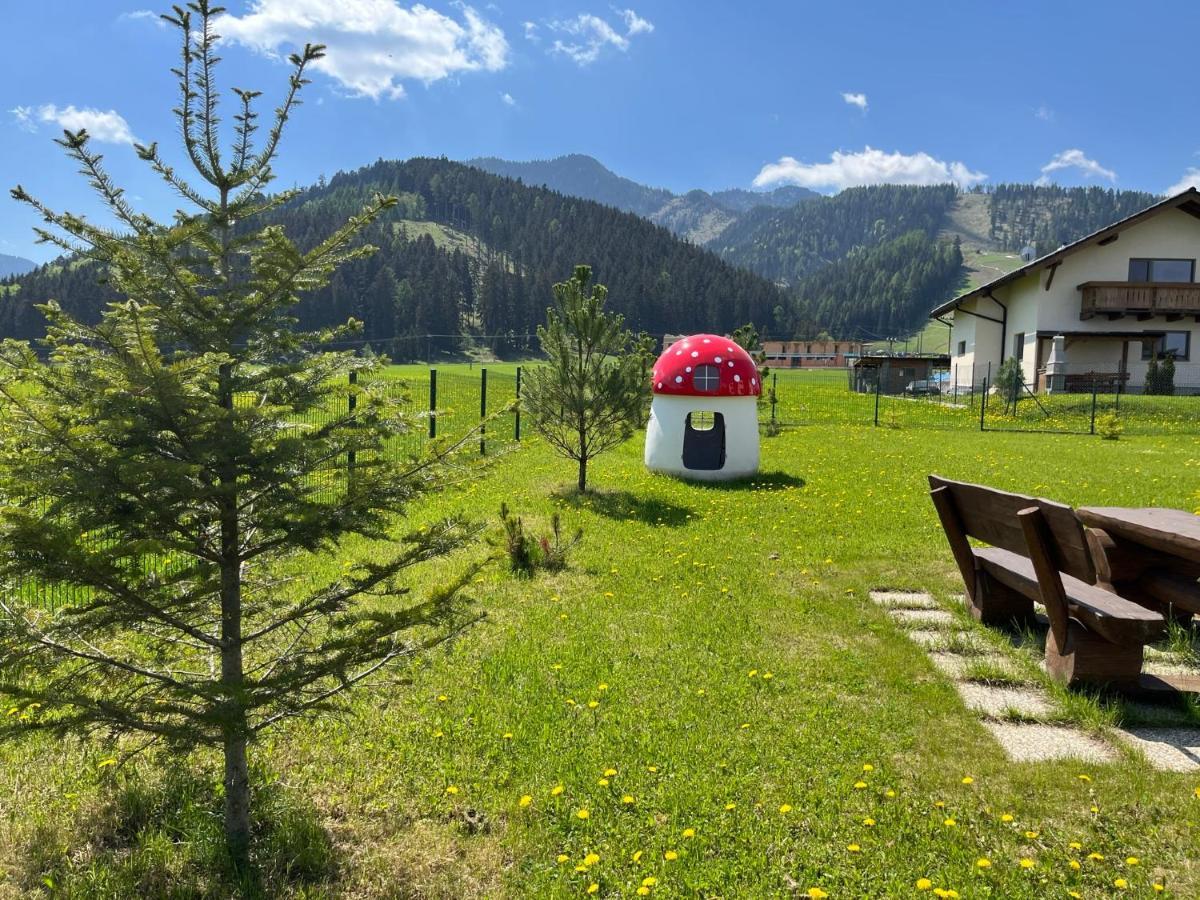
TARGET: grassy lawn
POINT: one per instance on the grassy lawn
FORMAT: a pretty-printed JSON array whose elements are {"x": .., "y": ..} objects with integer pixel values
[{"x": 704, "y": 704}]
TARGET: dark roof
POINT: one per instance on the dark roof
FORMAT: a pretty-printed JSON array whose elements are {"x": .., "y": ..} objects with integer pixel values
[
  {"x": 1188, "y": 201},
  {"x": 877, "y": 358}
]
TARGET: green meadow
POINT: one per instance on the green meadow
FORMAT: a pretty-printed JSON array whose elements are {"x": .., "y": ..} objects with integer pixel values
[{"x": 705, "y": 703}]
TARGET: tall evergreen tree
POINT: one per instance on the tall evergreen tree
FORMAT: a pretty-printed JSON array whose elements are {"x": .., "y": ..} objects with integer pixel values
[
  {"x": 591, "y": 394},
  {"x": 162, "y": 464}
]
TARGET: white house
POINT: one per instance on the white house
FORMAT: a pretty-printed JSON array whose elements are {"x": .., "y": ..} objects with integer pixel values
[
  {"x": 704, "y": 415},
  {"x": 1118, "y": 297}
]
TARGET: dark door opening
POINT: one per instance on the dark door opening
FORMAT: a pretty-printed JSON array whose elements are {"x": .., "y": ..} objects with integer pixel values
[{"x": 704, "y": 441}]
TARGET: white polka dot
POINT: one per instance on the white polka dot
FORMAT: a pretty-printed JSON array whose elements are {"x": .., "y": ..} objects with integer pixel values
[
  {"x": 660, "y": 385},
  {"x": 679, "y": 353},
  {"x": 695, "y": 353},
  {"x": 728, "y": 349},
  {"x": 687, "y": 368},
  {"x": 679, "y": 379},
  {"x": 731, "y": 364},
  {"x": 737, "y": 377},
  {"x": 707, "y": 341},
  {"x": 754, "y": 381},
  {"x": 718, "y": 359}
]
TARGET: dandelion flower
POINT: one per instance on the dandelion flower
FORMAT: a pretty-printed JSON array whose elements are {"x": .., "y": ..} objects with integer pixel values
[
  {"x": 627, "y": 799},
  {"x": 869, "y": 822},
  {"x": 582, "y": 814},
  {"x": 637, "y": 856},
  {"x": 689, "y": 832},
  {"x": 983, "y": 862},
  {"x": 670, "y": 855},
  {"x": 785, "y": 808},
  {"x": 591, "y": 859},
  {"x": 442, "y": 698},
  {"x": 924, "y": 884},
  {"x": 451, "y": 789},
  {"x": 949, "y": 823},
  {"x": 651, "y": 769},
  {"x": 867, "y": 767},
  {"x": 1120, "y": 883},
  {"x": 603, "y": 782},
  {"x": 752, "y": 673},
  {"x": 643, "y": 891},
  {"x": 556, "y": 790},
  {"x": 1074, "y": 864},
  {"x": 1075, "y": 845},
  {"x": 1027, "y": 863},
  {"x": 853, "y": 848},
  {"x": 525, "y": 800},
  {"x": 562, "y": 858},
  {"x": 859, "y": 785},
  {"x": 968, "y": 780},
  {"x": 507, "y": 736},
  {"x": 602, "y": 686},
  {"x": 593, "y": 887},
  {"x": 1096, "y": 857},
  {"x": 1158, "y": 887},
  {"x": 815, "y": 893},
  {"x": 889, "y": 793},
  {"x": 730, "y": 806},
  {"x": 1084, "y": 778},
  {"x": 1132, "y": 860},
  {"x": 1007, "y": 817},
  {"x": 649, "y": 881},
  {"x": 592, "y": 704},
  {"x": 1031, "y": 834},
  {"x": 767, "y": 676}
]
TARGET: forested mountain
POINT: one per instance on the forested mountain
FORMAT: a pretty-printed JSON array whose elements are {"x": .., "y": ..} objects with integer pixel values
[
  {"x": 1048, "y": 216},
  {"x": 510, "y": 243},
  {"x": 787, "y": 244},
  {"x": 15, "y": 265},
  {"x": 697, "y": 215}
]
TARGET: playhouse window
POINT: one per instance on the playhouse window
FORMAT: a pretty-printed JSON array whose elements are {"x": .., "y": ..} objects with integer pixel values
[
  {"x": 706, "y": 378},
  {"x": 702, "y": 420}
]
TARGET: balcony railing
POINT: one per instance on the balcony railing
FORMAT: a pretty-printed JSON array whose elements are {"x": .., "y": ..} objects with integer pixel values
[{"x": 1143, "y": 299}]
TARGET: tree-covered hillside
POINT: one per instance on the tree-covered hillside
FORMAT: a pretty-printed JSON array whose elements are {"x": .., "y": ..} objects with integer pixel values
[
  {"x": 1048, "y": 216},
  {"x": 580, "y": 176},
  {"x": 517, "y": 241},
  {"x": 14, "y": 265}
]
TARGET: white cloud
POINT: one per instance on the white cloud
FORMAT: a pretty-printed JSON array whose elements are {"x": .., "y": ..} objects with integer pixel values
[
  {"x": 1075, "y": 159},
  {"x": 144, "y": 15},
  {"x": 107, "y": 126},
  {"x": 1191, "y": 178},
  {"x": 588, "y": 35},
  {"x": 1043, "y": 112},
  {"x": 507, "y": 99},
  {"x": 372, "y": 46},
  {"x": 870, "y": 166},
  {"x": 859, "y": 100},
  {"x": 531, "y": 31}
]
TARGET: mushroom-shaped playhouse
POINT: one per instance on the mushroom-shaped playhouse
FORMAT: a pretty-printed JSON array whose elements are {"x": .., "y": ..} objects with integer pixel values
[{"x": 704, "y": 416}]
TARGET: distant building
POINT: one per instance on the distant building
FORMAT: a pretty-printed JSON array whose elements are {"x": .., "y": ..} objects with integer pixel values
[
  {"x": 899, "y": 374},
  {"x": 1028, "y": 253},
  {"x": 811, "y": 354}
]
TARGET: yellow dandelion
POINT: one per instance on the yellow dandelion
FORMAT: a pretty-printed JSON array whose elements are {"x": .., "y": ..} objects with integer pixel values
[
  {"x": 889, "y": 793},
  {"x": 556, "y": 790},
  {"x": 592, "y": 704},
  {"x": 869, "y": 822},
  {"x": 815, "y": 893},
  {"x": 582, "y": 814},
  {"x": 1084, "y": 778},
  {"x": 968, "y": 780},
  {"x": 649, "y": 881},
  {"x": 610, "y": 772},
  {"x": 767, "y": 676},
  {"x": 1132, "y": 860},
  {"x": 730, "y": 806},
  {"x": 637, "y": 856},
  {"x": 859, "y": 785},
  {"x": 591, "y": 859},
  {"x": 670, "y": 855},
  {"x": 1031, "y": 834},
  {"x": 1027, "y": 863},
  {"x": 853, "y": 848},
  {"x": 1007, "y": 817},
  {"x": 451, "y": 789},
  {"x": 867, "y": 767},
  {"x": 651, "y": 769},
  {"x": 643, "y": 891},
  {"x": 525, "y": 800},
  {"x": 106, "y": 763},
  {"x": 1075, "y": 845},
  {"x": 983, "y": 862},
  {"x": 752, "y": 673},
  {"x": 562, "y": 858},
  {"x": 593, "y": 887},
  {"x": 940, "y": 804},
  {"x": 1096, "y": 857},
  {"x": 627, "y": 799},
  {"x": 1074, "y": 864},
  {"x": 924, "y": 884},
  {"x": 949, "y": 823},
  {"x": 1120, "y": 883},
  {"x": 602, "y": 686},
  {"x": 442, "y": 698},
  {"x": 603, "y": 782},
  {"x": 689, "y": 832},
  {"x": 507, "y": 736},
  {"x": 744, "y": 725},
  {"x": 785, "y": 808},
  {"x": 1158, "y": 887}
]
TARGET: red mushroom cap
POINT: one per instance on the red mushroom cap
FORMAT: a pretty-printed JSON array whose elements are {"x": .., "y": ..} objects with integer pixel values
[{"x": 675, "y": 371}]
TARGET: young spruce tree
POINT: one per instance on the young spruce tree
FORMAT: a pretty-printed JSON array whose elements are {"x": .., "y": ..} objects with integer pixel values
[
  {"x": 166, "y": 469},
  {"x": 593, "y": 391}
]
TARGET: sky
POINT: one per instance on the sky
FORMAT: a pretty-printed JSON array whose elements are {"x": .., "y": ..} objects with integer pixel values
[{"x": 680, "y": 95}]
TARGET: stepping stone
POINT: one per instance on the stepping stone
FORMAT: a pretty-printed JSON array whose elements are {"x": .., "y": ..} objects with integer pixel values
[
  {"x": 1169, "y": 749},
  {"x": 945, "y": 640},
  {"x": 1166, "y": 668},
  {"x": 1037, "y": 743},
  {"x": 904, "y": 599},
  {"x": 997, "y": 702},
  {"x": 919, "y": 618}
]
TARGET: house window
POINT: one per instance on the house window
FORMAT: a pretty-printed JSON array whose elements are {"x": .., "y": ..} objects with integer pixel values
[
  {"x": 1019, "y": 344},
  {"x": 1176, "y": 344},
  {"x": 706, "y": 378},
  {"x": 962, "y": 348},
  {"x": 1169, "y": 270}
]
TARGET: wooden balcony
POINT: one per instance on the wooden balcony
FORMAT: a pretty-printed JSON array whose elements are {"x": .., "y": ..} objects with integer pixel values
[{"x": 1144, "y": 299}]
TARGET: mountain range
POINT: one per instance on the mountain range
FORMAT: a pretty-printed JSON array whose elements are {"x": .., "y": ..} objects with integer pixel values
[
  {"x": 697, "y": 215},
  {"x": 15, "y": 265},
  {"x": 469, "y": 256}
]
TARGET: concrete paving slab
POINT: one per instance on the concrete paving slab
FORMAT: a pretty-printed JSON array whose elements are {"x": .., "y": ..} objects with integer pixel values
[
  {"x": 904, "y": 599},
  {"x": 1169, "y": 749},
  {"x": 921, "y": 618},
  {"x": 996, "y": 701},
  {"x": 1038, "y": 743}
]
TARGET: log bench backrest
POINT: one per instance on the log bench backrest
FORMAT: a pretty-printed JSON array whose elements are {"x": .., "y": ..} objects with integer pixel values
[{"x": 989, "y": 515}]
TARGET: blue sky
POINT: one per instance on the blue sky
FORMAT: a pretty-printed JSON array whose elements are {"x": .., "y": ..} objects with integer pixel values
[{"x": 673, "y": 94}]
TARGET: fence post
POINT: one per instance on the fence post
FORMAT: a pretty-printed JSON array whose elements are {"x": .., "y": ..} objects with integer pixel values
[
  {"x": 878, "y": 383},
  {"x": 482, "y": 411},
  {"x": 956, "y": 384},
  {"x": 983, "y": 400},
  {"x": 432, "y": 403},
  {"x": 517, "y": 420},
  {"x": 774, "y": 394},
  {"x": 352, "y": 404},
  {"x": 1092, "y": 429}
]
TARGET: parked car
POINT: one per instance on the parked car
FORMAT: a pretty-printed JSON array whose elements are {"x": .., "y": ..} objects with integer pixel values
[{"x": 923, "y": 388}]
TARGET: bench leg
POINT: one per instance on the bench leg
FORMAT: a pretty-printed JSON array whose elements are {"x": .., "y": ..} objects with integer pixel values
[
  {"x": 997, "y": 604},
  {"x": 1088, "y": 658}
]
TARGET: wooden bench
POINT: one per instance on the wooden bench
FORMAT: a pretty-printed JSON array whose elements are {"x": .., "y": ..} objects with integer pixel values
[{"x": 1039, "y": 552}]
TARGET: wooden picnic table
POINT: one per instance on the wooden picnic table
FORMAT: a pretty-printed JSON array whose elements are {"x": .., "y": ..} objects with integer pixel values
[{"x": 1151, "y": 555}]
